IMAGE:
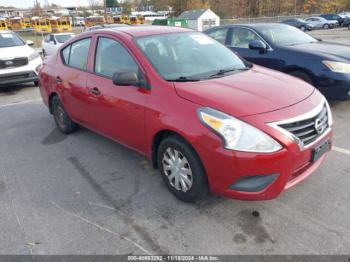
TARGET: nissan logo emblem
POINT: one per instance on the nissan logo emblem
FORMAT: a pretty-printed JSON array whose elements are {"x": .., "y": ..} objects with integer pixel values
[
  {"x": 8, "y": 63},
  {"x": 319, "y": 126}
]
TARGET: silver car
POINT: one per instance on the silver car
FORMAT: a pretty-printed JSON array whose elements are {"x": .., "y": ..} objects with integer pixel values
[
  {"x": 320, "y": 22},
  {"x": 53, "y": 41}
]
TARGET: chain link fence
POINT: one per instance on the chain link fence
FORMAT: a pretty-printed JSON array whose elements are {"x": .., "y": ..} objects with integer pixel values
[{"x": 272, "y": 19}]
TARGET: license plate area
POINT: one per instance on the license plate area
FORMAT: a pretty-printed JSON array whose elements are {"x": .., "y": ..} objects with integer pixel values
[{"x": 320, "y": 151}]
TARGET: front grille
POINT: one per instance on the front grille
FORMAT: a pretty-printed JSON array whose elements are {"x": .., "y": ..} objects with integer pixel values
[
  {"x": 308, "y": 130},
  {"x": 16, "y": 62}
]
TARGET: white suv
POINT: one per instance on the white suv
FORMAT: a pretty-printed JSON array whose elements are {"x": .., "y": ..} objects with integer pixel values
[{"x": 19, "y": 63}]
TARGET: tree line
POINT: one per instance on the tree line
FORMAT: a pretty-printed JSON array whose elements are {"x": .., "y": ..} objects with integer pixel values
[{"x": 244, "y": 8}]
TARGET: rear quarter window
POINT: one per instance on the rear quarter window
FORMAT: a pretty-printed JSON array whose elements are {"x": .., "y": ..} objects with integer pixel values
[{"x": 76, "y": 54}]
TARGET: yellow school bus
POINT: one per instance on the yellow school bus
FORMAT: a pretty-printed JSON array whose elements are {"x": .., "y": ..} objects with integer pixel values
[
  {"x": 41, "y": 25},
  {"x": 3, "y": 24},
  {"x": 65, "y": 25},
  {"x": 16, "y": 23},
  {"x": 94, "y": 20},
  {"x": 26, "y": 23},
  {"x": 54, "y": 23},
  {"x": 136, "y": 20}
]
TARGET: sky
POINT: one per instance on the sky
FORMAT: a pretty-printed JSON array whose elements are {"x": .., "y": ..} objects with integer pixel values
[{"x": 29, "y": 3}]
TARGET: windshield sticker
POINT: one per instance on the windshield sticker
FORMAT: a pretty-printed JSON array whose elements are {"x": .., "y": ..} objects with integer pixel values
[
  {"x": 202, "y": 40},
  {"x": 6, "y": 35}
]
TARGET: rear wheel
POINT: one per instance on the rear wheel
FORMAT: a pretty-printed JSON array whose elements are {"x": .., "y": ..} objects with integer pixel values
[
  {"x": 181, "y": 169},
  {"x": 302, "y": 76},
  {"x": 63, "y": 121}
]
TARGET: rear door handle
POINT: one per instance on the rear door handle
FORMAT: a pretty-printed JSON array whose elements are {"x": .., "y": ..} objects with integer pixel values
[
  {"x": 58, "y": 80},
  {"x": 95, "y": 91}
]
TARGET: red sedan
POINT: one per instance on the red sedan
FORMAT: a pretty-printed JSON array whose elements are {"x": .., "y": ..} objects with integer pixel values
[{"x": 208, "y": 120}]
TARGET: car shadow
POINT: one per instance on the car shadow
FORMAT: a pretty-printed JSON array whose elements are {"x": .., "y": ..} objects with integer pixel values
[{"x": 14, "y": 89}]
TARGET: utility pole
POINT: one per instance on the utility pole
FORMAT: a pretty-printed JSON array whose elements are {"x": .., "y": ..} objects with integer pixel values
[{"x": 105, "y": 9}]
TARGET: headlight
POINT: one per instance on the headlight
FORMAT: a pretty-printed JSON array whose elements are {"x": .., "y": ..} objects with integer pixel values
[
  {"x": 337, "y": 67},
  {"x": 236, "y": 134},
  {"x": 33, "y": 56}
]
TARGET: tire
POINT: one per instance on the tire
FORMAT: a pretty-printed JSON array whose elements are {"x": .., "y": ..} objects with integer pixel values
[
  {"x": 63, "y": 121},
  {"x": 44, "y": 53},
  {"x": 193, "y": 176},
  {"x": 349, "y": 26},
  {"x": 36, "y": 83},
  {"x": 303, "y": 76},
  {"x": 326, "y": 26},
  {"x": 303, "y": 28}
]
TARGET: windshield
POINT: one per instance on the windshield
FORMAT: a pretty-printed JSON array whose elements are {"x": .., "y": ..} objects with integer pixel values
[
  {"x": 286, "y": 35},
  {"x": 63, "y": 38},
  {"x": 10, "y": 39},
  {"x": 188, "y": 55}
]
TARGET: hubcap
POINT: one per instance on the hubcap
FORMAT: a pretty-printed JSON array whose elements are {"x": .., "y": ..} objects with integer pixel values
[
  {"x": 60, "y": 116},
  {"x": 177, "y": 169}
]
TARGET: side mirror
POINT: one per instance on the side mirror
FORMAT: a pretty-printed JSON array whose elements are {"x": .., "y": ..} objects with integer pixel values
[
  {"x": 258, "y": 45},
  {"x": 30, "y": 42},
  {"x": 125, "y": 79},
  {"x": 52, "y": 42}
]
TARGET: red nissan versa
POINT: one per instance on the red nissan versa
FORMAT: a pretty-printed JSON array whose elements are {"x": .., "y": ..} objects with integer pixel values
[{"x": 205, "y": 118}]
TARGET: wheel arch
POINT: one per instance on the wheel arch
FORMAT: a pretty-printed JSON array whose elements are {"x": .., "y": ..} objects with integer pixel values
[
  {"x": 159, "y": 137},
  {"x": 290, "y": 69}
]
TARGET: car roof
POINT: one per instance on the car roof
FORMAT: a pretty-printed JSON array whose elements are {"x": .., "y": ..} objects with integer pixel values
[{"x": 145, "y": 30}]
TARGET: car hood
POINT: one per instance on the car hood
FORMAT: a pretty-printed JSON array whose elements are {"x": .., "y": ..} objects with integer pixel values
[
  {"x": 15, "y": 51},
  {"x": 324, "y": 48},
  {"x": 255, "y": 91}
]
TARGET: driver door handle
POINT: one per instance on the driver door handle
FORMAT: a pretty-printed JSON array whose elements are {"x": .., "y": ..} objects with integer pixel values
[
  {"x": 95, "y": 91},
  {"x": 58, "y": 80}
]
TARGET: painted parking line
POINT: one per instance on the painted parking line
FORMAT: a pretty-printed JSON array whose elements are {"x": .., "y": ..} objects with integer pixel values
[
  {"x": 341, "y": 150},
  {"x": 22, "y": 102}
]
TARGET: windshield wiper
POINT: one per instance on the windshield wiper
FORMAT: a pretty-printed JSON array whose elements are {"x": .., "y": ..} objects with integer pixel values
[
  {"x": 222, "y": 72},
  {"x": 184, "y": 79}
]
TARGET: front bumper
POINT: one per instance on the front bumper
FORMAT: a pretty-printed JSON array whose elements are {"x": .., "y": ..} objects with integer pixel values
[
  {"x": 287, "y": 167},
  {"x": 334, "y": 85},
  {"x": 21, "y": 74}
]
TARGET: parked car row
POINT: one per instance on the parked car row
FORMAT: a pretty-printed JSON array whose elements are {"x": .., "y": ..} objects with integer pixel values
[{"x": 324, "y": 21}]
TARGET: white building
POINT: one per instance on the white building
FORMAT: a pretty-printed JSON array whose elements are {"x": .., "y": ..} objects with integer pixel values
[{"x": 200, "y": 19}]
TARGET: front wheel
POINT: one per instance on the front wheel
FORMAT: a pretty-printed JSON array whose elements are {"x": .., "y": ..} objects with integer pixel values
[
  {"x": 303, "y": 28},
  {"x": 326, "y": 26},
  {"x": 181, "y": 169},
  {"x": 63, "y": 121}
]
